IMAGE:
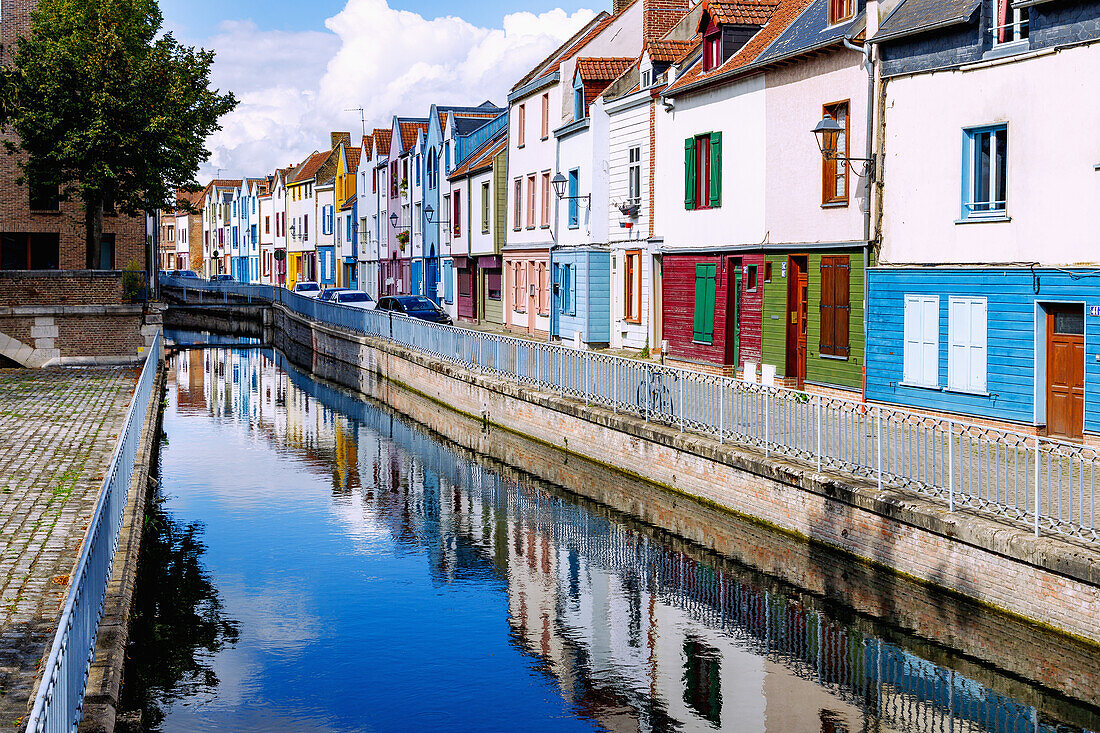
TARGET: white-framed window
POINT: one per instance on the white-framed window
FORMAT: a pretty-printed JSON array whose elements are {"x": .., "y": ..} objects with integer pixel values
[
  {"x": 985, "y": 172},
  {"x": 921, "y": 353},
  {"x": 634, "y": 177},
  {"x": 966, "y": 338}
]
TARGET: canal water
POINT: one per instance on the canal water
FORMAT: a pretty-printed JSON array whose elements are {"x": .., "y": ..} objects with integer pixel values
[{"x": 315, "y": 562}]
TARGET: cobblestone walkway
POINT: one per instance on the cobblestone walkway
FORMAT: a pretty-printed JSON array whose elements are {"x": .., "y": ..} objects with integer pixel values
[{"x": 57, "y": 431}]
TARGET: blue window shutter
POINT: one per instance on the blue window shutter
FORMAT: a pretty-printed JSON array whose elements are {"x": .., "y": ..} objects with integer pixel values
[
  {"x": 448, "y": 295},
  {"x": 574, "y": 185}
]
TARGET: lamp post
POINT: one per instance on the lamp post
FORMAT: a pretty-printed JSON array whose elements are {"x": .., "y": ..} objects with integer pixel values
[{"x": 828, "y": 133}]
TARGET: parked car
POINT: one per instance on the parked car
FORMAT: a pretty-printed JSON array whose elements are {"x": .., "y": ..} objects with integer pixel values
[
  {"x": 415, "y": 306},
  {"x": 186, "y": 273},
  {"x": 354, "y": 298},
  {"x": 307, "y": 288},
  {"x": 328, "y": 295},
  {"x": 222, "y": 278}
]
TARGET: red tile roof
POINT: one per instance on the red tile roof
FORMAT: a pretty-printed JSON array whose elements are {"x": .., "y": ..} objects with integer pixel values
[
  {"x": 668, "y": 51},
  {"x": 353, "y": 159},
  {"x": 783, "y": 14},
  {"x": 367, "y": 146},
  {"x": 738, "y": 13},
  {"x": 602, "y": 69},
  {"x": 408, "y": 132},
  {"x": 381, "y": 142},
  {"x": 309, "y": 168}
]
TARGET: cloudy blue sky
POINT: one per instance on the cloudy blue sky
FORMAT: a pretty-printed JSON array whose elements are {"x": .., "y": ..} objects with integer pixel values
[{"x": 297, "y": 65}]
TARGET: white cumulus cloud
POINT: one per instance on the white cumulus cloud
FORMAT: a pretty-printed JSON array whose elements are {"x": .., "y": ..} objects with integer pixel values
[{"x": 295, "y": 87}]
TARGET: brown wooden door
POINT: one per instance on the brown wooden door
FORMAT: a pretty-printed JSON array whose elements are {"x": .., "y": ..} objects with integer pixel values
[
  {"x": 797, "y": 308},
  {"x": 1066, "y": 371},
  {"x": 733, "y": 311},
  {"x": 532, "y": 296}
]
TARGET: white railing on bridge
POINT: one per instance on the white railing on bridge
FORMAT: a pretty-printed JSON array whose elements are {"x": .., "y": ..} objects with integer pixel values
[
  {"x": 59, "y": 701},
  {"x": 1049, "y": 484}
]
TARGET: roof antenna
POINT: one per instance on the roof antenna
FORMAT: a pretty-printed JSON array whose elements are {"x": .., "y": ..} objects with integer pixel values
[{"x": 362, "y": 117}]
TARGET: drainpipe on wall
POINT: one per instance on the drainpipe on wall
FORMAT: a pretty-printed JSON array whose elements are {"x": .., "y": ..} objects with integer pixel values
[{"x": 871, "y": 28}]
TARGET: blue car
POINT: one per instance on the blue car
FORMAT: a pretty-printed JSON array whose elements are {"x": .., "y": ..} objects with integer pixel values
[{"x": 414, "y": 306}]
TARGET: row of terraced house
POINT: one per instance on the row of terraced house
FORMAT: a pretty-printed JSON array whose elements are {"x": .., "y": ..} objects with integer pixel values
[{"x": 889, "y": 199}]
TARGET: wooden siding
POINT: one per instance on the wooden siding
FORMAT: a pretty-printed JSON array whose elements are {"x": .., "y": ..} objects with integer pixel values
[
  {"x": 627, "y": 129},
  {"x": 678, "y": 308},
  {"x": 598, "y": 292},
  {"x": 1010, "y": 338},
  {"x": 844, "y": 373},
  {"x": 492, "y": 310},
  {"x": 500, "y": 199}
]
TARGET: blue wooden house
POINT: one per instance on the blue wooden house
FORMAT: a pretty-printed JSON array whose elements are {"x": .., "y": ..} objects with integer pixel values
[
  {"x": 984, "y": 301},
  {"x": 581, "y": 295}
]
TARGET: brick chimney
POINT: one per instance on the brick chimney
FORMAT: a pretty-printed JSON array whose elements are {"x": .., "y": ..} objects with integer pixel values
[
  {"x": 659, "y": 16},
  {"x": 339, "y": 137},
  {"x": 618, "y": 5}
]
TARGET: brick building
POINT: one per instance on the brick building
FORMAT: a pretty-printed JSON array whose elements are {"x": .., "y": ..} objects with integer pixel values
[{"x": 38, "y": 232}]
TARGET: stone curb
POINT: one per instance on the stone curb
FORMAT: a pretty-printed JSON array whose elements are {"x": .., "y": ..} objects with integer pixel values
[{"x": 105, "y": 676}]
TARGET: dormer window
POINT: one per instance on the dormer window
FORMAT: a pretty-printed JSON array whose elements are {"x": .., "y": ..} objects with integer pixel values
[
  {"x": 579, "y": 111},
  {"x": 647, "y": 79},
  {"x": 840, "y": 11},
  {"x": 712, "y": 48}
]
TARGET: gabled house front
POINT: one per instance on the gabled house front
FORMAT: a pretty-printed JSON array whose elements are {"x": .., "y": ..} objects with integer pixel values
[
  {"x": 478, "y": 190},
  {"x": 985, "y": 295},
  {"x": 397, "y": 269}
]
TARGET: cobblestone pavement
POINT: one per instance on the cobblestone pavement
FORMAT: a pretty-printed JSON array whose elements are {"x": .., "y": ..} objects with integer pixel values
[{"x": 58, "y": 428}]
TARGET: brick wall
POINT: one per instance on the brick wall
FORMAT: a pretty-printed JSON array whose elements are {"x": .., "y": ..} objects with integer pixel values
[
  {"x": 62, "y": 287},
  {"x": 68, "y": 220}
]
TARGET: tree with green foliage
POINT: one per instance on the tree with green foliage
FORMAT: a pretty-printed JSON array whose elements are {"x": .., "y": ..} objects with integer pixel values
[{"x": 108, "y": 108}]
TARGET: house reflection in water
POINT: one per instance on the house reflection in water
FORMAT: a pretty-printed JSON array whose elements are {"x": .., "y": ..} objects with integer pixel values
[{"x": 638, "y": 634}]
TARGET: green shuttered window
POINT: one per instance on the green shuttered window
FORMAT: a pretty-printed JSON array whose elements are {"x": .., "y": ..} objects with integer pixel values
[
  {"x": 703, "y": 171},
  {"x": 705, "y": 280},
  {"x": 835, "y": 305}
]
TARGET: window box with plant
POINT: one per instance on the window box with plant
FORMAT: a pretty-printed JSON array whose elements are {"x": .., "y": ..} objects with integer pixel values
[{"x": 403, "y": 239}]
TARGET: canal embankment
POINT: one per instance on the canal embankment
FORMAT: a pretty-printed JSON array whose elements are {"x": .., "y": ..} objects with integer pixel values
[
  {"x": 59, "y": 428},
  {"x": 1052, "y": 581},
  {"x": 998, "y": 650}
]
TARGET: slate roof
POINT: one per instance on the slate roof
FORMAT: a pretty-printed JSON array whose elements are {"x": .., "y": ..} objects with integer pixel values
[
  {"x": 567, "y": 49},
  {"x": 668, "y": 51},
  {"x": 811, "y": 30},
  {"x": 467, "y": 123},
  {"x": 309, "y": 168},
  {"x": 409, "y": 127},
  {"x": 740, "y": 13},
  {"x": 482, "y": 158},
  {"x": 781, "y": 18},
  {"x": 381, "y": 142},
  {"x": 914, "y": 16}
]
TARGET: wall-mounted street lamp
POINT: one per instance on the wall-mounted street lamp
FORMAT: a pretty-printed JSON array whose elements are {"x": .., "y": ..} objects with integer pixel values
[
  {"x": 559, "y": 183},
  {"x": 828, "y": 133}
]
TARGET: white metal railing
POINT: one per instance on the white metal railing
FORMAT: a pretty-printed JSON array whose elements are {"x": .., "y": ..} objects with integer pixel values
[
  {"x": 59, "y": 700},
  {"x": 1049, "y": 484}
]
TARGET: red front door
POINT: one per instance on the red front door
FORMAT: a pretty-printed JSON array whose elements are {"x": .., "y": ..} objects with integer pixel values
[
  {"x": 1066, "y": 371},
  {"x": 797, "y": 297}
]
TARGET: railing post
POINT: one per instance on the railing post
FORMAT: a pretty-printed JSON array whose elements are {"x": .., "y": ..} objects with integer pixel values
[
  {"x": 1038, "y": 497},
  {"x": 648, "y": 384},
  {"x": 615, "y": 386},
  {"x": 950, "y": 465},
  {"x": 878, "y": 445},
  {"x": 817, "y": 406},
  {"x": 681, "y": 403},
  {"x": 767, "y": 421},
  {"x": 479, "y": 364},
  {"x": 721, "y": 410},
  {"x": 584, "y": 355},
  {"x": 561, "y": 372}
]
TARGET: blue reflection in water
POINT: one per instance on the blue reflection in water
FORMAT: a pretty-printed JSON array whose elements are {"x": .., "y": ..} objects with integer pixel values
[{"x": 382, "y": 580}]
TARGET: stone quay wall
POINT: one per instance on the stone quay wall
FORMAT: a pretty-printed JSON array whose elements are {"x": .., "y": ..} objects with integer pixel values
[{"x": 1049, "y": 580}]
